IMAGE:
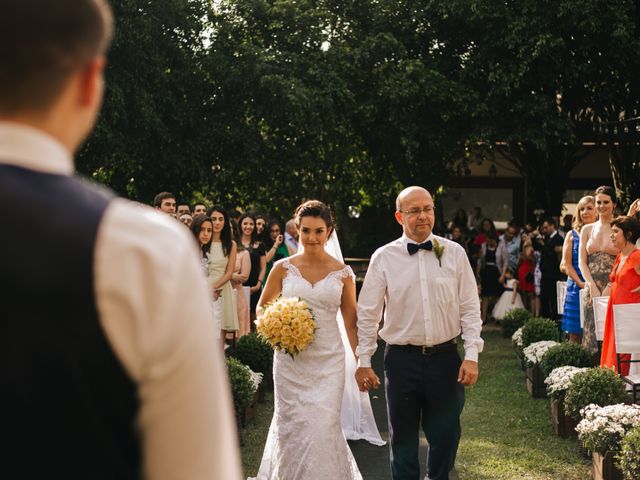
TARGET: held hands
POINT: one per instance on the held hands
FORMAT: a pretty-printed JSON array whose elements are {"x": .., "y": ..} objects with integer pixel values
[
  {"x": 468, "y": 374},
  {"x": 217, "y": 293},
  {"x": 366, "y": 379}
]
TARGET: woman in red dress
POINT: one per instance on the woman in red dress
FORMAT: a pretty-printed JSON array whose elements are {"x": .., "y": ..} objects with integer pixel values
[{"x": 625, "y": 284}]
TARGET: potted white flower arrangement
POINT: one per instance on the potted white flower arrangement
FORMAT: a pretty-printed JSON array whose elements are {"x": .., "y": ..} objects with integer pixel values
[
  {"x": 256, "y": 379},
  {"x": 533, "y": 354},
  {"x": 516, "y": 339},
  {"x": 601, "y": 430},
  {"x": 558, "y": 383}
]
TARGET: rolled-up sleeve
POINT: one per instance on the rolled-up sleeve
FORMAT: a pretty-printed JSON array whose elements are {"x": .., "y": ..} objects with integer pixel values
[
  {"x": 470, "y": 319},
  {"x": 370, "y": 307}
]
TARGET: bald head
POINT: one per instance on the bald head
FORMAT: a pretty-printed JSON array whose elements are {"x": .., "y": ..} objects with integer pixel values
[{"x": 409, "y": 193}]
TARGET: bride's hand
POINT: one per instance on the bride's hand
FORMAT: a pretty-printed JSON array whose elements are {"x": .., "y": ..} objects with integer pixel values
[{"x": 366, "y": 379}]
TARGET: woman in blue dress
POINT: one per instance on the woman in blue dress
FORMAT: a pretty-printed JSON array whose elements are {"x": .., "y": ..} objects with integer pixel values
[{"x": 585, "y": 214}]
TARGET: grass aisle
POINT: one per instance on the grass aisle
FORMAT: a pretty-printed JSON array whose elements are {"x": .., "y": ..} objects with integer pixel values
[{"x": 506, "y": 433}]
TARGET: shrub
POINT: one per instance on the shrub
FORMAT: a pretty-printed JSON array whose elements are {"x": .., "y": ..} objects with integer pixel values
[
  {"x": 567, "y": 353},
  {"x": 629, "y": 456},
  {"x": 538, "y": 329},
  {"x": 513, "y": 320},
  {"x": 600, "y": 386},
  {"x": 241, "y": 385},
  {"x": 255, "y": 353}
]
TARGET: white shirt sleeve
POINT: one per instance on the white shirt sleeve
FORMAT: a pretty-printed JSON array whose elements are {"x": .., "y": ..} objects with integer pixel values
[
  {"x": 370, "y": 307},
  {"x": 156, "y": 311},
  {"x": 470, "y": 320}
]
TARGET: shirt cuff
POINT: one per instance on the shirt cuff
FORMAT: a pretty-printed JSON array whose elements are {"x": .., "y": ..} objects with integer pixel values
[
  {"x": 364, "y": 361},
  {"x": 471, "y": 353}
]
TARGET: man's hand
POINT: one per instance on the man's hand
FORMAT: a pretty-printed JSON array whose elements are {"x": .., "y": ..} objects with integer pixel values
[
  {"x": 468, "y": 374},
  {"x": 366, "y": 379}
]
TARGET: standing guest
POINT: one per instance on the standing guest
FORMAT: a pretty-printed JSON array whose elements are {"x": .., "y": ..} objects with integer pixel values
[
  {"x": 261, "y": 223},
  {"x": 183, "y": 209},
  {"x": 165, "y": 201},
  {"x": 508, "y": 254},
  {"x": 257, "y": 257},
  {"x": 457, "y": 235},
  {"x": 487, "y": 229},
  {"x": 222, "y": 262},
  {"x": 625, "y": 285},
  {"x": 488, "y": 275},
  {"x": 239, "y": 276},
  {"x": 291, "y": 237},
  {"x": 459, "y": 220},
  {"x": 114, "y": 365},
  {"x": 475, "y": 219},
  {"x": 550, "y": 254},
  {"x": 526, "y": 277},
  {"x": 510, "y": 298},
  {"x": 276, "y": 249},
  {"x": 585, "y": 215},
  {"x": 199, "y": 209},
  {"x": 187, "y": 219},
  {"x": 597, "y": 255},
  {"x": 567, "y": 224},
  {"x": 424, "y": 375},
  {"x": 202, "y": 229}
]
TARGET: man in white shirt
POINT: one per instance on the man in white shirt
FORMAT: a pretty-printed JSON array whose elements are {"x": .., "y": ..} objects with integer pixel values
[
  {"x": 291, "y": 237},
  {"x": 108, "y": 361},
  {"x": 429, "y": 294}
]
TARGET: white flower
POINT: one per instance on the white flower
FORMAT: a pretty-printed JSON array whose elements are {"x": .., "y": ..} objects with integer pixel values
[
  {"x": 534, "y": 352},
  {"x": 256, "y": 378},
  {"x": 602, "y": 428},
  {"x": 516, "y": 338},
  {"x": 560, "y": 379}
]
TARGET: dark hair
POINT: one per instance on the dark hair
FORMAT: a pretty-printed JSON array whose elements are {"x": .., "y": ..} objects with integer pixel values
[
  {"x": 199, "y": 203},
  {"x": 607, "y": 190},
  {"x": 314, "y": 208},
  {"x": 254, "y": 234},
  {"x": 180, "y": 204},
  {"x": 225, "y": 234},
  {"x": 492, "y": 230},
  {"x": 630, "y": 227},
  {"x": 196, "y": 228},
  {"x": 43, "y": 43},
  {"x": 267, "y": 232},
  {"x": 157, "y": 200},
  {"x": 550, "y": 221}
]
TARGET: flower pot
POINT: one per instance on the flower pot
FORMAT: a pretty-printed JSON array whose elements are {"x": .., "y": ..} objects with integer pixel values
[
  {"x": 604, "y": 467},
  {"x": 563, "y": 424},
  {"x": 535, "y": 382}
]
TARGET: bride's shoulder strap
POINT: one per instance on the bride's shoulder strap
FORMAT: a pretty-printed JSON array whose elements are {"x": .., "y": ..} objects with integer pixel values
[{"x": 345, "y": 272}]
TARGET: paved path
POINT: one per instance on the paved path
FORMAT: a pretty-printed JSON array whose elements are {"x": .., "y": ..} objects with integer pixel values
[{"x": 373, "y": 461}]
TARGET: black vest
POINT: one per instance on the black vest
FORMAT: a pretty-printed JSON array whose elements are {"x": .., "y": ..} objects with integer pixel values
[{"x": 67, "y": 406}]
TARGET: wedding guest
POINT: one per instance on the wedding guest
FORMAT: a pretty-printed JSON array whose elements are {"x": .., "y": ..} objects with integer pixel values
[
  {"x": 510, "y": 298},
  {"x": 625, "y": 285},
  {"x": 257, "y": 257},
  {"x": 222, "y": 262},
  {"x": 187, "y": 219},
  {"x": 276, "y": 249},
  {"x": 183, "y": 209},
  {"x": 261, "y": 223},
  {"x": 526, "y": 277},
  {"x": 459, "y": 220},
  {"x": 199, "y": 209},
  {"x": 112, "y": 371},
  {"x": 239, "y": 276},
  {"x": 508, "y": 253},
  {"x": 597, "y": 254},
  {"x": 166, "y": 202},
  {"x": 458, "y": 236},
  {"x": 475, "y": 219},
  {"x": 550, "y": 249},
  {"x": 585, "y": 215},
  {"x": 291, "y": 237},
  {"x": 487, "y": 229},
  {"x": 488, "y": 275},
  {"x": 202, "y": 229}
]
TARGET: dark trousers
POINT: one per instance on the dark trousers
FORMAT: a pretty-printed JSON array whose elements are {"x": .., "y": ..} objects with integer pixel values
[
  {"x": 548, "y": 298},
  {"x": 423, "y": 390}
]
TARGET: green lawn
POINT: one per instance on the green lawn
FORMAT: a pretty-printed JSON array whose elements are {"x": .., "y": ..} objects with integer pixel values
[{"x": 506, "y": 433}]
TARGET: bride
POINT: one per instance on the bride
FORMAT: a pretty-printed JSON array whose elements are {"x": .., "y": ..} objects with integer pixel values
[{"x": 305, "y": 438}]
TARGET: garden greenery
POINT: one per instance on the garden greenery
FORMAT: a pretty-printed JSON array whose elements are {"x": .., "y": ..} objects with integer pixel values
[
  {"x": 599, "y": 386},
  {"x": 566, "y": 353},
  {"x": 538, "y": 329}
]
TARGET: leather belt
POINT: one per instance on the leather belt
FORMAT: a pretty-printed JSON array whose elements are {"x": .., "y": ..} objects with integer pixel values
[{"x": 447, "y": 346}]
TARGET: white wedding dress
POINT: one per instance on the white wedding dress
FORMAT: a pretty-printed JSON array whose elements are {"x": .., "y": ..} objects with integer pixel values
[{"x": 305, "y": 440}]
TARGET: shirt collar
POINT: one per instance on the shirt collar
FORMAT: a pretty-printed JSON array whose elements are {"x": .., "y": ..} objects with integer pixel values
[
  {"x": 33, "y": 149},
  {"x": 406, "y": 240}
]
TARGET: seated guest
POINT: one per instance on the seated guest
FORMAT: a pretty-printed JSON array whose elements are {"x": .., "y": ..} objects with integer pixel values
[{"x": 625, "y": 284}]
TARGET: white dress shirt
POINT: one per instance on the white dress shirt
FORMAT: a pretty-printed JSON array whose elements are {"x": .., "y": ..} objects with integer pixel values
[
  {"x": 427, "y": 303},
  {"x": 155, "y": 310}
]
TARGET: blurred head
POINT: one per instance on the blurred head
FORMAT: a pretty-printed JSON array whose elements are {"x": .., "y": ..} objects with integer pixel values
[
  {"x": 456, "y": 233},
  {"x": 202, "y": 228},
  {"x": 585, "y": 212},
  {"x": 291, "y": 228},
  {"x": 186, "y": 218},
  {"x": 261, "y": 222},
  {"x": 606, "y": 200},
  {"x": 314, "y": 222},
  {"x": 182, "y": 209},
  {"x": 165, "y": 201},
  {"x": 415, "y": 211},
  {"x": 273, "y": 229},
  {"x": 199, "y": 209},
  {"x": 624, "y": 230}
]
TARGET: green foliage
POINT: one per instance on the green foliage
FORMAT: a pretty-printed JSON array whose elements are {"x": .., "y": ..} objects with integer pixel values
[
  {"x": 513, "y": 320},
  {"x": 241, "y": 387},
  {"x": 601, "y": 386},
  {"x": 255, "y": 353},
  {"x": 538, "y": 329},
  {"x": 628, "y": 457},
  {"x": 567, "y": 353}
]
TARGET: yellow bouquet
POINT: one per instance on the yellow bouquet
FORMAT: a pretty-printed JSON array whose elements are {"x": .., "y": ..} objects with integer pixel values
[{"x": 287, "y": 324}]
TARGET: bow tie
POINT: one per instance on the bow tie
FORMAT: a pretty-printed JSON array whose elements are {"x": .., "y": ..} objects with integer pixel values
[{"x": 414, "y": 247}]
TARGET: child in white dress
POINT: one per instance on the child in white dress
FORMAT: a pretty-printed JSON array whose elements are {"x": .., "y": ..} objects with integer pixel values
[{"x": 509, "y": 299}]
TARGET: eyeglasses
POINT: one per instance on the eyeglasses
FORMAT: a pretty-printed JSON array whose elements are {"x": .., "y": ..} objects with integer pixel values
[{"x": 417, "y": 211}]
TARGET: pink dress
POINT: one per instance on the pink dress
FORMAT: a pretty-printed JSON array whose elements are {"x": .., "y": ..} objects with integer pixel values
[{"x": 243, "y": 267}]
